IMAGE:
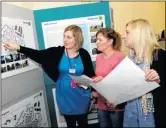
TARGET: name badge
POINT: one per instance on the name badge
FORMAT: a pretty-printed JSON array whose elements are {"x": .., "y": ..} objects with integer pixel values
[{"x": 72, "y": 70}]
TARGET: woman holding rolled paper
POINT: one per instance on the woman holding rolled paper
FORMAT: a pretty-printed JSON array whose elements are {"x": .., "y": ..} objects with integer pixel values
[
  {"x": 144, "y": 50},
  {"x": 109, "y": 44}
]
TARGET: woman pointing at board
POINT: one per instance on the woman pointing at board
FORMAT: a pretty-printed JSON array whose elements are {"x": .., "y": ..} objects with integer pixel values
[{"x": 60, "y": 62}]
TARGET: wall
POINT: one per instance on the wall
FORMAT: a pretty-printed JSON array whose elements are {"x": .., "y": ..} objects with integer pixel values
[
  {"x": 42, "y": 5},
  {"x": 154, "y": 12},
  {"x": 28, "y": 5},
  {"x": 123, "y": 12}
]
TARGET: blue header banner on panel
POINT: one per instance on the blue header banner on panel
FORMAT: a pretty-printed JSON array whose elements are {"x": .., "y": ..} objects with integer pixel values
[{"x": 69, "y": 12}]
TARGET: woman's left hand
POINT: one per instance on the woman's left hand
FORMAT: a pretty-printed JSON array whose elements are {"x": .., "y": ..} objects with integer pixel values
[
  {"x": 152, "y": 75},
  {"x": 110, "y": 105}
]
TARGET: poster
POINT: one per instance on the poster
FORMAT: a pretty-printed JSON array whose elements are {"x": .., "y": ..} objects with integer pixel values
[
  {"x": 53, "y": 32},
  {"x": 20, "y": 32},
  {"x": 30, "y": 112},
  {"x": 92, "y": 116}
]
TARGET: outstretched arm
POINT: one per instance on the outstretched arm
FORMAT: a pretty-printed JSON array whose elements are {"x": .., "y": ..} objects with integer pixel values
[{"x": 37, "y": 55}]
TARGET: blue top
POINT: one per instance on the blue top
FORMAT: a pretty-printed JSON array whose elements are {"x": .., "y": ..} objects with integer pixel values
[
  {"x": 133, "y": 114},
  {"x": 71, "y": 101}
]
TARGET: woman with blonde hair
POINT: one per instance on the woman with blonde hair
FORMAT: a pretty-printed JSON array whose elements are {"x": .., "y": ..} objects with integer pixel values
[
  {"x": 109, "y": 44},
  {"x": 149, "y": 109}
]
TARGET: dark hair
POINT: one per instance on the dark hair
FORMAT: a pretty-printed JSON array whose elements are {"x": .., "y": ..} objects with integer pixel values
[{"x": 111, "y": 34}]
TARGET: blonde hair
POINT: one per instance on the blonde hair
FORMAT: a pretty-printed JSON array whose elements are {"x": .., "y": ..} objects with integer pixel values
[
  {"x": 111, "y": 34},
  {"x": 144, "y": 41},
  {"x": 77, "y": 33}
]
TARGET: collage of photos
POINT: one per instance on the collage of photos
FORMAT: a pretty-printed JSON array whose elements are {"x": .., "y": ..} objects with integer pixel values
[
  {"x": 93, "y": 30},
  {"x": 13, "y": 61}
]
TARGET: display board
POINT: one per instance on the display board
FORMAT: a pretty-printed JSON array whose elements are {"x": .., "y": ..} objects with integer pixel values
[
  {"x": 30, "y": 112},
  {"x": 21, "y": 79},
  {"x": 64, "y": 14},
  {"x": 53, "y": 32},
  {"x": 20, "y": 32},
  {"x": 70, "y": 13}
]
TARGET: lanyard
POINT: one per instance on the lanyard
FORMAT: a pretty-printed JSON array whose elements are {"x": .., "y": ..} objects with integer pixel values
[{"x": 70, "y": 63}]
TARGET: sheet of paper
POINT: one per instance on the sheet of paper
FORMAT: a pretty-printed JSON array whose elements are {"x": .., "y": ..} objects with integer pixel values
[
  {"x": 124, "y": 83},
  {"x": 83, "y": 80}
]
